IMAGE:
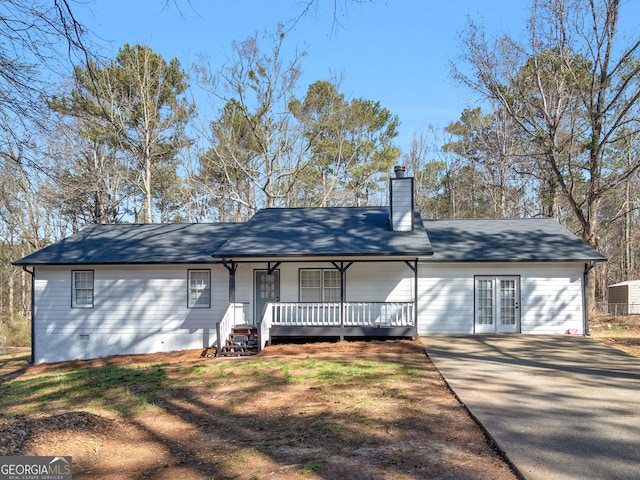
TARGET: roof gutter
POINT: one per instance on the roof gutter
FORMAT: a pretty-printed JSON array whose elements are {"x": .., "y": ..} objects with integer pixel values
[{"x": 513, "y": 260}]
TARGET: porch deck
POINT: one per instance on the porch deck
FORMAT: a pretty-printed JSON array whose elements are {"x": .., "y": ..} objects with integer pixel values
[
  {"x": 340, "y": 320},
  {"x": 336, "y": 319}
]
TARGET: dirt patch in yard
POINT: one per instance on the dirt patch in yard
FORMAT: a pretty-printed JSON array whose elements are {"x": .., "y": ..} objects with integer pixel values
[
  {"x": 621, "y": 332},
  {"x": 356, "y": 410}
]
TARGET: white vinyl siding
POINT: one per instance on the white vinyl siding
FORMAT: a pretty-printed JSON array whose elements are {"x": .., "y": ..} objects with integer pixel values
[
  {"x": 445, "y": 298},
  {"x": 379, "y": 282},
  {"x": 82, "y": 289},
  {"x": 550, "y": 296},
  {"x": 365, "y": 281},
  {"x": 199, "y": 289},
  {"x": 552, "y": 300},
  {"x": 137, "y": 309},
  {"x": 142, "y": 309}
]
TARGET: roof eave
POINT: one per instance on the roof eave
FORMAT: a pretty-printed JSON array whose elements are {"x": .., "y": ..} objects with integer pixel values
[
  {"x": 291, "y": 257},
  {"x": 514, "y": 260},
  {"x": 99, "y": 263}
]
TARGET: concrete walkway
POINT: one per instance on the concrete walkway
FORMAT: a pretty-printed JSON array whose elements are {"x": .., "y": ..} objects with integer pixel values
[{"x": 560, "y": 407}]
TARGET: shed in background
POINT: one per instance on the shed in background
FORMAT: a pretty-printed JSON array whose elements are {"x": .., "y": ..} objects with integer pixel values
[{"x": 624, "y": 298}]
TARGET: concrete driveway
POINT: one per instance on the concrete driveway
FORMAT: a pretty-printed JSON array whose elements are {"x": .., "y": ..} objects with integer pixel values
[{"x": 560, "y": 407}]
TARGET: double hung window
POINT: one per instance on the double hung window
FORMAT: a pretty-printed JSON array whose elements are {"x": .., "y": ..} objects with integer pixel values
[
  {"x": 82, "y": 289},
  {"x": 319, "y": 285},
  {"x": 199, "y": 295}
]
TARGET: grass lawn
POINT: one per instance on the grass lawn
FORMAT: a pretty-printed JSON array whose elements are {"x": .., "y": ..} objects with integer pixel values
[{"x": 352, "y": 410}]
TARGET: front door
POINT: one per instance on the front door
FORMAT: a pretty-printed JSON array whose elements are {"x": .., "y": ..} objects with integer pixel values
[
  {"x": 267, "y": 289},
  {"x": 497, "y": 304}
]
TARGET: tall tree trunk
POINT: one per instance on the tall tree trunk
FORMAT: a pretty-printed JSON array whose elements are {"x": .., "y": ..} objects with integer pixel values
[
  {"x": 2, "y": 318},
  {"x": 24, "y": 304},
  {"x": 627, "y": 224},
  {"x": 10, "y": 292},
  {"x": 148, "y": 215}
]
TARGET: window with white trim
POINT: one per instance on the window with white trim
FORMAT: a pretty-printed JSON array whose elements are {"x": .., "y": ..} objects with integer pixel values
[
  {"x": 199, "y": 295},
  {"x": 319, "y": 285},
  {"x": 82, "y": 289}
]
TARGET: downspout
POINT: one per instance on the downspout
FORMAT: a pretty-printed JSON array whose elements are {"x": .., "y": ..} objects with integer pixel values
[
  {"x": 585, "y": 297},
  {"x": 33, "y": 312},
  {"x": 415, "y": 297}
]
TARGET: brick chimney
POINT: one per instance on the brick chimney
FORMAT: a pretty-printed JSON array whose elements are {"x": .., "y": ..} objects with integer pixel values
[{"x": 401, "y": 201}]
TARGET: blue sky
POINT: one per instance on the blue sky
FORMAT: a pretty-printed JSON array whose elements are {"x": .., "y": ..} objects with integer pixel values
[{"x": 393, "y": 51}]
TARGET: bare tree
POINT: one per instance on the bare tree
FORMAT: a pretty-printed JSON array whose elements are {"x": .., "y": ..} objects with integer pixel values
[
  {"x": 573, "y": 89},
  {"x": 34, "y": 36},
  {"x": 91, "y": 181}
]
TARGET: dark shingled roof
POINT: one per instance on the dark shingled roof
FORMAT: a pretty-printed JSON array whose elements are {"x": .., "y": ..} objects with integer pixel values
[
  {"x": 326, "y": 232},
  {"x": 521, "y": 240},
  {"x": 318, "y": 232},
  {"x": 150, "y": 243}
]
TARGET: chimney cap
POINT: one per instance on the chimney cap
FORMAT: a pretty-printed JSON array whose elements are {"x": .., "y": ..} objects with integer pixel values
[{"x": 399, "y": 169}]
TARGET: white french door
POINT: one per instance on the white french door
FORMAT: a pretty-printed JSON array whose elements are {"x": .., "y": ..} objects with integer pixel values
[{"x": 497, "y": 304}]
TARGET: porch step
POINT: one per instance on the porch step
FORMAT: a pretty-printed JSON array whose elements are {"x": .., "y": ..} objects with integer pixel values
[{"x": 242, "y": 341}]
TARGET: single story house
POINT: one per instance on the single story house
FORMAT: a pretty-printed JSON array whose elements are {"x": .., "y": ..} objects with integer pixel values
[{"x": 322, "y": 272}]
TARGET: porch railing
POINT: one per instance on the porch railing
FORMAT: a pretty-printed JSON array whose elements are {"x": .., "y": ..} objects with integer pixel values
[
  {"x": 355, "y": 314},
  {"x": 266, "y": 321},
  {"x": 383, "y": 314},
  {"x": 300, "y": 314},
  {"x": 234, "y": 315}
]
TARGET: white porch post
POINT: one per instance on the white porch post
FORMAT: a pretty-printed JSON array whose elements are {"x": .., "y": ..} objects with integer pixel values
[
  {"x": 231, "y": 267},
  {"x": 413, "y": 265}
]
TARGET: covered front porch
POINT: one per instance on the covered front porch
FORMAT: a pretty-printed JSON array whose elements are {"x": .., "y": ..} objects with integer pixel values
[
  {"x": 339, "y": 300},
  {"x": 330, "y": 271}
]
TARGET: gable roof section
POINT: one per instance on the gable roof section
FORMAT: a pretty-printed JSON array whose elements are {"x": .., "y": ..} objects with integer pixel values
[
  {"x": 518, "y": 240},
  {"x": 318, "y": 232},
  {"x": 136, "y": 244},
  {"x": 324, "y": 232}
]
